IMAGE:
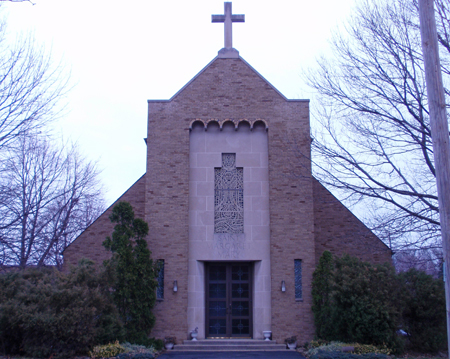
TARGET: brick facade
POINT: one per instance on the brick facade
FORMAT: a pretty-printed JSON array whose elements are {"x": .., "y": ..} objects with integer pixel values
[
  {"x": 305, "y": 219},
  {"x": 89, "y": 243},
  {"x": 340, "y": 232}
]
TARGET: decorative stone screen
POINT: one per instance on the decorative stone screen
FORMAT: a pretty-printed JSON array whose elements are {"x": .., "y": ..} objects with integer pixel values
[
  {"x": 298, "y": 278},
  {"x": 228, "y": 196},
  {"x": 160, "y": 279}
]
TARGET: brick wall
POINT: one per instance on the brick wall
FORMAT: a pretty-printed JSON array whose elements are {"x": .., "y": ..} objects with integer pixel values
[
  {"x": 89, "y": 243},
  {"x": 340, "y": 232}
]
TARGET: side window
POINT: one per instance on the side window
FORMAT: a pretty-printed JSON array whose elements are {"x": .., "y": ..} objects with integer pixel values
[
  {"x": 160, "y": 279},
  {"x": 298, "y": 278}
]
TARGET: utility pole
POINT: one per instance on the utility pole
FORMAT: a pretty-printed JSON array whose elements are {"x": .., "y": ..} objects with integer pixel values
[{"x": 439, "y": 132}]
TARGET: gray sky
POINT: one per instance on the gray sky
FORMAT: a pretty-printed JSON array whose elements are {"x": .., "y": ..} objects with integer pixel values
[{"x": 122, "y": 53}]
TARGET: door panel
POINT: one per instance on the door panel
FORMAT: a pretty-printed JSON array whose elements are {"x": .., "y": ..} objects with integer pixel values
[{"x": 228, "y": 300}]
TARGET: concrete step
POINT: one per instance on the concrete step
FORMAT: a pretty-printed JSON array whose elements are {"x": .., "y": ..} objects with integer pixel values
[{"x": 229, "y": 345}]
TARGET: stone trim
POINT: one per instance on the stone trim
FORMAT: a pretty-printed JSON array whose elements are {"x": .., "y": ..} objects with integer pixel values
[{"x": 236, "y": 122}]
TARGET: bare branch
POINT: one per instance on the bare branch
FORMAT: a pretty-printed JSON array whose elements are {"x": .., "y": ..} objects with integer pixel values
[
  {"x": 53, "y": 195},
  {"x": 372, "y": 140}
]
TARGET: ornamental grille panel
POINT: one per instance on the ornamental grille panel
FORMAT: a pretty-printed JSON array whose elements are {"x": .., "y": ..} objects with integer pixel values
[
  {"x": 298, "y": 278},
  {"x": 160, "y": 280},
  {"x": 229, "y": 196}
]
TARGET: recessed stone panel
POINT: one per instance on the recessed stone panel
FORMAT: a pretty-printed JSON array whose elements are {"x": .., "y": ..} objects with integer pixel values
[
  {"x": 197, "y": 175},
  {"x": 209, "y": 160}
]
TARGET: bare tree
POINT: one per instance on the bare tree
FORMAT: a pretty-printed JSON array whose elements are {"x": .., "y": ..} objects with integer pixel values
[
  {"x": 428, "y": 261},
  {"x": 31, "y": 87},
  {"x": 48, "y": 196},
  {"x": 373, "y": 142}
]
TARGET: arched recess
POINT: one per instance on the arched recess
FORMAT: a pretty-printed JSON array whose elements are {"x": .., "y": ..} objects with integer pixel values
[{"x": 235, "y": 122}]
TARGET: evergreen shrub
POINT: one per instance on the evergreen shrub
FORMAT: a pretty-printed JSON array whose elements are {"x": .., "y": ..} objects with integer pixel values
[
  {"x": 354, "y": 301},
  {"x": 46, "y": 313},
  {"x": 357, "y": 302},
  {"x": 424, "y": 311},
  {"x": 133, "y": 273}
]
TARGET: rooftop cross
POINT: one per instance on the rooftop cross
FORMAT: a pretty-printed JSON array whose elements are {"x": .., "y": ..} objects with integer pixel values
[{"x": 228, "y": 20}]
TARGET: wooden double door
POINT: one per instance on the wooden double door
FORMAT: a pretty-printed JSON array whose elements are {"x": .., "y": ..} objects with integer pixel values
[{"x": 229, "y": 300}]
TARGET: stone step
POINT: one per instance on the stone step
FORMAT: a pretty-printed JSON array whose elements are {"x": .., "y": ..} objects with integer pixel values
[
  {"x": 229, "y": 345},
  {"x": 229, "y": 342}
]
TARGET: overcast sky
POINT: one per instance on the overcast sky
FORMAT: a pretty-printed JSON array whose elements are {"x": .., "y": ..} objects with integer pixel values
[{"x": 121, "y": 53}]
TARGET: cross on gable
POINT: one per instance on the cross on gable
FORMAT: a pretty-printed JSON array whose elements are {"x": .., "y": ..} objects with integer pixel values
[{"x": 228, "y": 20}]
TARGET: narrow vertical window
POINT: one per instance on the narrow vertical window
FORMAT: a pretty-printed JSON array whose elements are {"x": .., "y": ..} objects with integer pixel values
[
  {"x": 160, "y": 279},
  {"x": 229, "y": 196},
  {"x": 298, "y": 278}
]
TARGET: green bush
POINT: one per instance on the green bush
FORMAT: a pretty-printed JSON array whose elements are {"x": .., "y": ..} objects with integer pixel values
[
  {"x": 354, "y": 301},
  {"x": 325, "y": 347},
  {"x": 133, "y": 273},
  {"x": 340, "y": 355},
  {"x": 45, "y": 312},
  {"x": 424, "y": 311},
  {"x": 369, "y": 349},
  {"x": 146, "y": 355},
  {"x": 365, "y": 303},
  {"x": 321, "y": 293},
  {"x": 320, "y": 346},
  {"x": 107, "y": 351},
  {"x": 157, "y": 344}
]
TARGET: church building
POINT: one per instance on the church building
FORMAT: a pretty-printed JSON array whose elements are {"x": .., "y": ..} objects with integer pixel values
[{"x": 236, "y": 218}]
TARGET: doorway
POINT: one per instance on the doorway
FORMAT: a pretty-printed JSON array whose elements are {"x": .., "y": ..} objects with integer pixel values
[{"x": 229, "y": 300}]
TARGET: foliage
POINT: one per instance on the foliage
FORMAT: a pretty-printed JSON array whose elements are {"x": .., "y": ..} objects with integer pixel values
[
  {"x": 134, "y": 351},
  {"x": 47, "y": 313},
  {"x": 373, "y": 142},
  {"x": 315, "y": 347},
  {"x": 157, "y": 344},
  {"x": 107, "y": 351},
  {"x": 424, "y": 316},
  {"x": 367, "y": 304},
  {"x": 340, "y": 355},
  {"x": 367, "y": 349},
  {"x": 134, "y": 347},
  {"x": 321, "y": 293},
  {"x": 319, "y": 346},
  {"x": 144, "y": 355},
  {"x": 133, "y": 273},
  {"x": 315, "y": 343},
  {"x": 351, "y": 301}
]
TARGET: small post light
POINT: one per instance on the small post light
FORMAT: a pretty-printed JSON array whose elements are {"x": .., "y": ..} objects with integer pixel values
[
  {"x": 175, "y": 286},
  {"x": 283, "y": 286}
]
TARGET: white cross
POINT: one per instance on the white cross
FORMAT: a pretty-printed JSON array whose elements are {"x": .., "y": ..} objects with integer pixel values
[{"x": 228, "y": 20}]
